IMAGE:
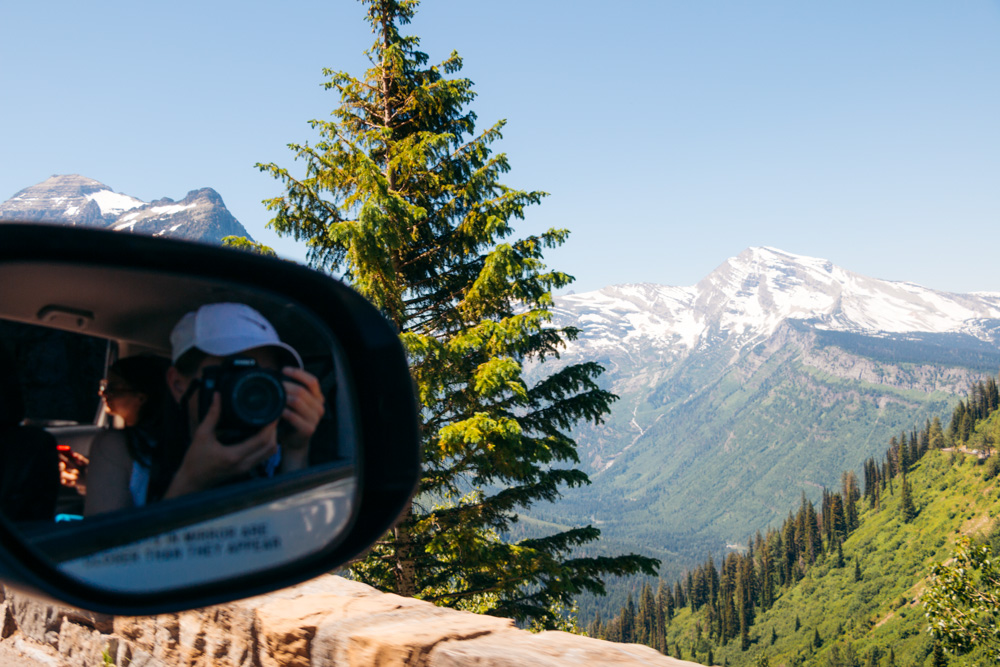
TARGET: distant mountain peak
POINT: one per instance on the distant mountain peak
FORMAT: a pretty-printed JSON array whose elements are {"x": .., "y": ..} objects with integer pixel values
[
  {"x": 72, "y": 199},
  {"x": 69, "y": 182},
  {"x": 749, "y": 296}
]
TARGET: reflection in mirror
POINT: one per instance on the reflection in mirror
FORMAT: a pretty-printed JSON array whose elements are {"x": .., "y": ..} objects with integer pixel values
[{"x": 125, "y": 393}]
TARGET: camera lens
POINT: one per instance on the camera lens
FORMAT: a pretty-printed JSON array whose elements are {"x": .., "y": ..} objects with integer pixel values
[{"x": 258, "y": 398}]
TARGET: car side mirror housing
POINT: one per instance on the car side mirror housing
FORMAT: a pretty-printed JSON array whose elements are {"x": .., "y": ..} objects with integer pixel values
[{"x": 238, "y": 539}]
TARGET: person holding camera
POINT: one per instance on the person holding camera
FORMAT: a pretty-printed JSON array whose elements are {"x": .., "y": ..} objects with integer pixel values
[{"x": 240, "y": 406}]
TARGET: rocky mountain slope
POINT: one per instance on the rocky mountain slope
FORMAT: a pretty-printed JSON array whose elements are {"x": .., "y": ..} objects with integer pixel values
[
  {"x": 761, "y": 382},
  {"x": 77, "y": 200}
]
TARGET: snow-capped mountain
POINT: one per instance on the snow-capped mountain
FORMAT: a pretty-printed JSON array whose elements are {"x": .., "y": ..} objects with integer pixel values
[
  {"x": 78, "y": 200},
  {"x": 765, "y": 380},
  {"x": 748, "y": 297}
]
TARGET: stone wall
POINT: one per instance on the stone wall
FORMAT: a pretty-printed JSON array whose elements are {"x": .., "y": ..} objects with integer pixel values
[{"x": 328, "y": 621}]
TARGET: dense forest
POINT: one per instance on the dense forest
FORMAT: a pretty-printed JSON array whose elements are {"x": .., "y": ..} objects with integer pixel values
[{"x": 759, "y": 602}]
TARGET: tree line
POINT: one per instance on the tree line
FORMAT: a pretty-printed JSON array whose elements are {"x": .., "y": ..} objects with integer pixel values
[{"x": 727, "y": 598}]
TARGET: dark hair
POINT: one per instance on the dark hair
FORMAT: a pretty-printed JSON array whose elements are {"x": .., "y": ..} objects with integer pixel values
[
  {"x": 188, "y": 362},
  {"x": 173, "y": 435},
  {"x": 147, "y": 374}
]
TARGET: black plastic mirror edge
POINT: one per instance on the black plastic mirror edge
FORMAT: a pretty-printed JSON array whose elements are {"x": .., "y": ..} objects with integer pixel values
[{"x": 390, "y": 459}]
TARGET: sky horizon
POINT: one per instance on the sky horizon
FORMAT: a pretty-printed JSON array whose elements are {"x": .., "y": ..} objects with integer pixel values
[{"x": 670, "y": 136}]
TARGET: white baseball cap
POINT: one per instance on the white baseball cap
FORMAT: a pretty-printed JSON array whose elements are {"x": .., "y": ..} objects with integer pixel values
[{"x": 225, "y": 329}]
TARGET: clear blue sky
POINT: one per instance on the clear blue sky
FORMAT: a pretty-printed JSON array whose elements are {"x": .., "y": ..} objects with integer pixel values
[{"x": 671, "y": 134}]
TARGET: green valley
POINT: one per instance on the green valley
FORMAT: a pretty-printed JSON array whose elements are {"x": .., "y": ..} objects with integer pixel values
[
  {"x": 697, "y": 453},
  {"x": 829, "y": 589}
]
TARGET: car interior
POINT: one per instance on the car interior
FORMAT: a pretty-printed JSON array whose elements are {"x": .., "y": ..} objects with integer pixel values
[{"x": 70, "y": 321}]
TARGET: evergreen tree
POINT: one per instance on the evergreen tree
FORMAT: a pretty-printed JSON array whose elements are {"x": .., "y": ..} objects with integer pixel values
[
  {"x": 956, "y": 422},
  {"x": 790, "y": 555},
  {"x": 713, "y": 578},
  {"x": 679, "y": 598},
  {"x": 965, "y": 428},
  {"x": 908, "y": 511},
  {"x": 893, "y": 458},
  {"x": 938, "y": 658},
  {"x": 851, "y": 494},
  {"x": 937, "y": 439},
  {"x": 660, "y": 615},
  {"x": 613, "y": 630},
  {"x": 838, "y": 520},
  {"x": 857, "y": 569},
  {"x": 766, "y": 582},
  {"x": 817, "y": 640},
  {"x": 402, "y": 197},
  {"x": 626, "y": 620},
  {"x": 914, "y": 448},
  {"x": 778, "y": 550},
  {"x": 668, "y": 603},
  {"x": 645, "y": 620},
  {"x": 596, "y": 627},
  {"x": 904, "y": 454},
  {"x": 798, "y": 623},
  {"x": 814, "y": 537}
]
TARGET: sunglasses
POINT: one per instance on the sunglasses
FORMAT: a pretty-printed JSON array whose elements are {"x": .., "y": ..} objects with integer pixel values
[{"x": 104, "y": 389}]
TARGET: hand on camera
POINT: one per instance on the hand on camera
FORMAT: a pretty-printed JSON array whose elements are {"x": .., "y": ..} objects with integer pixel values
[
  {"x": 303, "y": 410},
  {"x": 208, "y": 462}
]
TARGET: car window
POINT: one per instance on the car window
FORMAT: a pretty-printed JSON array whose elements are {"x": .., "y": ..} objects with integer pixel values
[{"x": 58, "y": 371}]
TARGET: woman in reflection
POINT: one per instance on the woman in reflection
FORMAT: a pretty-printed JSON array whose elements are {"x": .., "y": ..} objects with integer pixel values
[
  {"x": 186, "y": 454},
  {"x": 134, "y": 393},
  {"x": 134, "y": 389}
]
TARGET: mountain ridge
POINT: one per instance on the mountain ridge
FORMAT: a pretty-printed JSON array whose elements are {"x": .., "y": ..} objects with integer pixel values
[
  {"x": 747, "y": 297},
  {"x": 77, "y": 200},
  {"x": 760, "y": 382}
]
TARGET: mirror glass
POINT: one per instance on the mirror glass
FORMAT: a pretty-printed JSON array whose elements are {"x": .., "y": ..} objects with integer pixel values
[{"x": 137, "y": 472}]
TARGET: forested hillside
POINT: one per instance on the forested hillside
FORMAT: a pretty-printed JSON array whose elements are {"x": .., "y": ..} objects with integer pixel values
[
  {"x": 765, "y": 379},
  {"x": 717, "y": 449},
  {"x": 838, "y": 583}
]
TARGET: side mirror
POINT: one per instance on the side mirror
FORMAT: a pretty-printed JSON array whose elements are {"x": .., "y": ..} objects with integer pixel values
[{"x": 233, "y": 540}]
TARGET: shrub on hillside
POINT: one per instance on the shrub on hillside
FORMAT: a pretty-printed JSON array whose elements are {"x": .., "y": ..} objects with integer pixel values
[{"x": 992, "y": 467}]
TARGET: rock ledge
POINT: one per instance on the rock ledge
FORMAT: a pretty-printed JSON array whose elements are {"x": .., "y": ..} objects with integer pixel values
[{"x": 329, "y": 621}]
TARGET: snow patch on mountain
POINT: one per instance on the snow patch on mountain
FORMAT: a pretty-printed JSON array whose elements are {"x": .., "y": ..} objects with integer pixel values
[
  {"x": 170, "y": 210},
  {"x": 113, "y": 203},
  {"x": 748, "y": 297}
]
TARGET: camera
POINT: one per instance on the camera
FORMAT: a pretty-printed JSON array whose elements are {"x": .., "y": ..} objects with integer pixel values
[{"x": 252, "y": 397}]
